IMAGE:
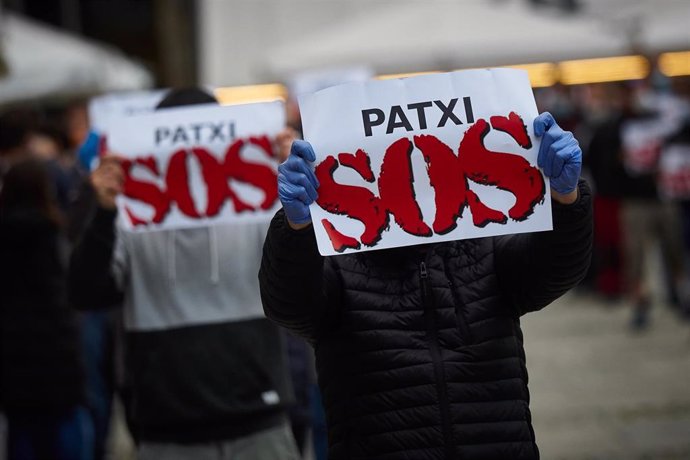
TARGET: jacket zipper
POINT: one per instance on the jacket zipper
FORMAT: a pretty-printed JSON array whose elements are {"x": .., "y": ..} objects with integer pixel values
[
  {"x": 460, "y": 317},
  {"x": 435, "y": 350}
]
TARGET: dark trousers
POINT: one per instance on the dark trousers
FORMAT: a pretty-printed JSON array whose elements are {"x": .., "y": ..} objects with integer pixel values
[
  {"x": 97, "y": 349},
  {"x": 34, "y": 436}
]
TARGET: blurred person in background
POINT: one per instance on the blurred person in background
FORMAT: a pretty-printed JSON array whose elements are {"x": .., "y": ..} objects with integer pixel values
[
  {"x": 46, "y": 142},
  {"x": 29, "y": 132},
  {"x": 16, "y": 126},
  {"x": 71, "y": 125},
  {"x": 607, "y": 175},
  {"x": 101, "y": 328},
  {"x": 623, "y": 155},
  {"x": 218, "y": 390},
  {"x": 41, "y": 373},
  {"x": 674, "y": 169},
  {"x": 14, "y": 136},
  {"x": 301, "y": 373},
  {"x": 50, "y": 138},
  {"x": 605, "y": 276},
  {"x": 3, "y": 434},
  {"x": 50, "y": 142},
  {"x": 561, "y": 103}
]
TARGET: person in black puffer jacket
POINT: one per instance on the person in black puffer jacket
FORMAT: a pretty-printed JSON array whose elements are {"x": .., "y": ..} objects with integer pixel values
[
  {"x": 41, "y": 372},
  {"x": 419, "y": 350}
]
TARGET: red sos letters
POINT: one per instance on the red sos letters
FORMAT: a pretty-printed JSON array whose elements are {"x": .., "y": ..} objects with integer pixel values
[
  {"x": 217, "y": 174},
  {"x": 449, "y": 173}
]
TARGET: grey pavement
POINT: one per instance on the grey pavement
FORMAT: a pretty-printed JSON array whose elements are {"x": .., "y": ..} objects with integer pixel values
[{"x": 601, "y": 392}]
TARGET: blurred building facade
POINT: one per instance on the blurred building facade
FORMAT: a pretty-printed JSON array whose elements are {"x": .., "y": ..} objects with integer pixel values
[
  {"x": 244, "y": 42},
  {"x": 159, "y": 33}
]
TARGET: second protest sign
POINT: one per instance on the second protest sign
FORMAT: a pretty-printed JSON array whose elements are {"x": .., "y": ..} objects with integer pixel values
[{"x": 198, "y": 166}]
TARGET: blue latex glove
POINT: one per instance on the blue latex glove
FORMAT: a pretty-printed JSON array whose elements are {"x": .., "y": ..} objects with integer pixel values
[
  {"x": 297, "y": 183},
  {"x": 560, "y": 156}
]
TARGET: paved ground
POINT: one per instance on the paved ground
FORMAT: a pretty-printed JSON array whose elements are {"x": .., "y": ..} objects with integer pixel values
[{"x": 601, "y": 392}]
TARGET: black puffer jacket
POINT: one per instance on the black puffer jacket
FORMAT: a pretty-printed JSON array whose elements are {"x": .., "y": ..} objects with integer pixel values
[{"x": 419, "y": 351}]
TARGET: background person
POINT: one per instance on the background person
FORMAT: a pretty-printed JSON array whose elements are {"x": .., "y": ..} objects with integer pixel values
[
  {"x": 212, "y": 389},
  {"x": 41, "y": 372},
  {"x": 645, "y": 219}
]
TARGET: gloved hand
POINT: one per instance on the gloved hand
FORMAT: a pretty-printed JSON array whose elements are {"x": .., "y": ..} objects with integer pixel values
[
  {"x": 297, "y": 183},
  {"x": 560, "y": 156},
  {"x": 108, "y": 181}
]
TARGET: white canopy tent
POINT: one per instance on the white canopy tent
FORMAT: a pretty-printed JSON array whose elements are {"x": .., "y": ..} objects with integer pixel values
[
  {"x": 45, "y": 62},
  {"x": 651, "y": 25},
  {"x": 446, "y": 35}
]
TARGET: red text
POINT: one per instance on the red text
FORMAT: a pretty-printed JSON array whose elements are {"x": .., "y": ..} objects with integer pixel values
[
  {"x": 448, "y": 174},
  {"x": 216, "y": 174}
]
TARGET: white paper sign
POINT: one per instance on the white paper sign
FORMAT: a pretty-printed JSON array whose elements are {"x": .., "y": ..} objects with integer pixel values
[
  {"x": 198, "y": 166},
  {"x": 108, "y": 107},
  {"x": 641, "y": 142},
  {"x": 103, "y": 110},
  {"x": 642, "y": 138},
  {"x": 431, "y": 158},
  {"x": 314, "y": 80},
  {"x": 674, "y": 172}
]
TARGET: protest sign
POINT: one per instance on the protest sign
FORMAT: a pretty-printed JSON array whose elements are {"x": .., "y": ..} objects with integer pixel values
[
  {"x": 425, "y": 159},
  {"x": 642, "y": 137},
  {"x": 310, "y": 81},
  {"x": 674, "y": 171},
  {"x": 641, "y": 141},
  {"x": 104, "y": 110},
  {"x": 197, "y": 166}
]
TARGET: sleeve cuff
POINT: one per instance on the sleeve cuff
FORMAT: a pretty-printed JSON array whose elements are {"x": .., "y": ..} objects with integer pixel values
[
  {"x": 104, "y": 217},
  {"x": 302, "y": 241},
  {"x": 579, "y": 208}
]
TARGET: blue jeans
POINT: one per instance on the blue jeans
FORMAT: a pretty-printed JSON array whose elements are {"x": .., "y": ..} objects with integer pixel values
[
  {"x": 3, "y": 436},
  {"x": 319, "y": 429},
  {"x": 97, "y": 349},
  {"x": 49, "y": 436}
]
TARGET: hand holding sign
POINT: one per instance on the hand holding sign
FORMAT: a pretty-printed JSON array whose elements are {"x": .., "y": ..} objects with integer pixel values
[
  {"x": 283, "y": 143},
  {"x": 559, "y": 156},
  {"x": 297, "y": 184},
  {"x": 108, "y": 181}
]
